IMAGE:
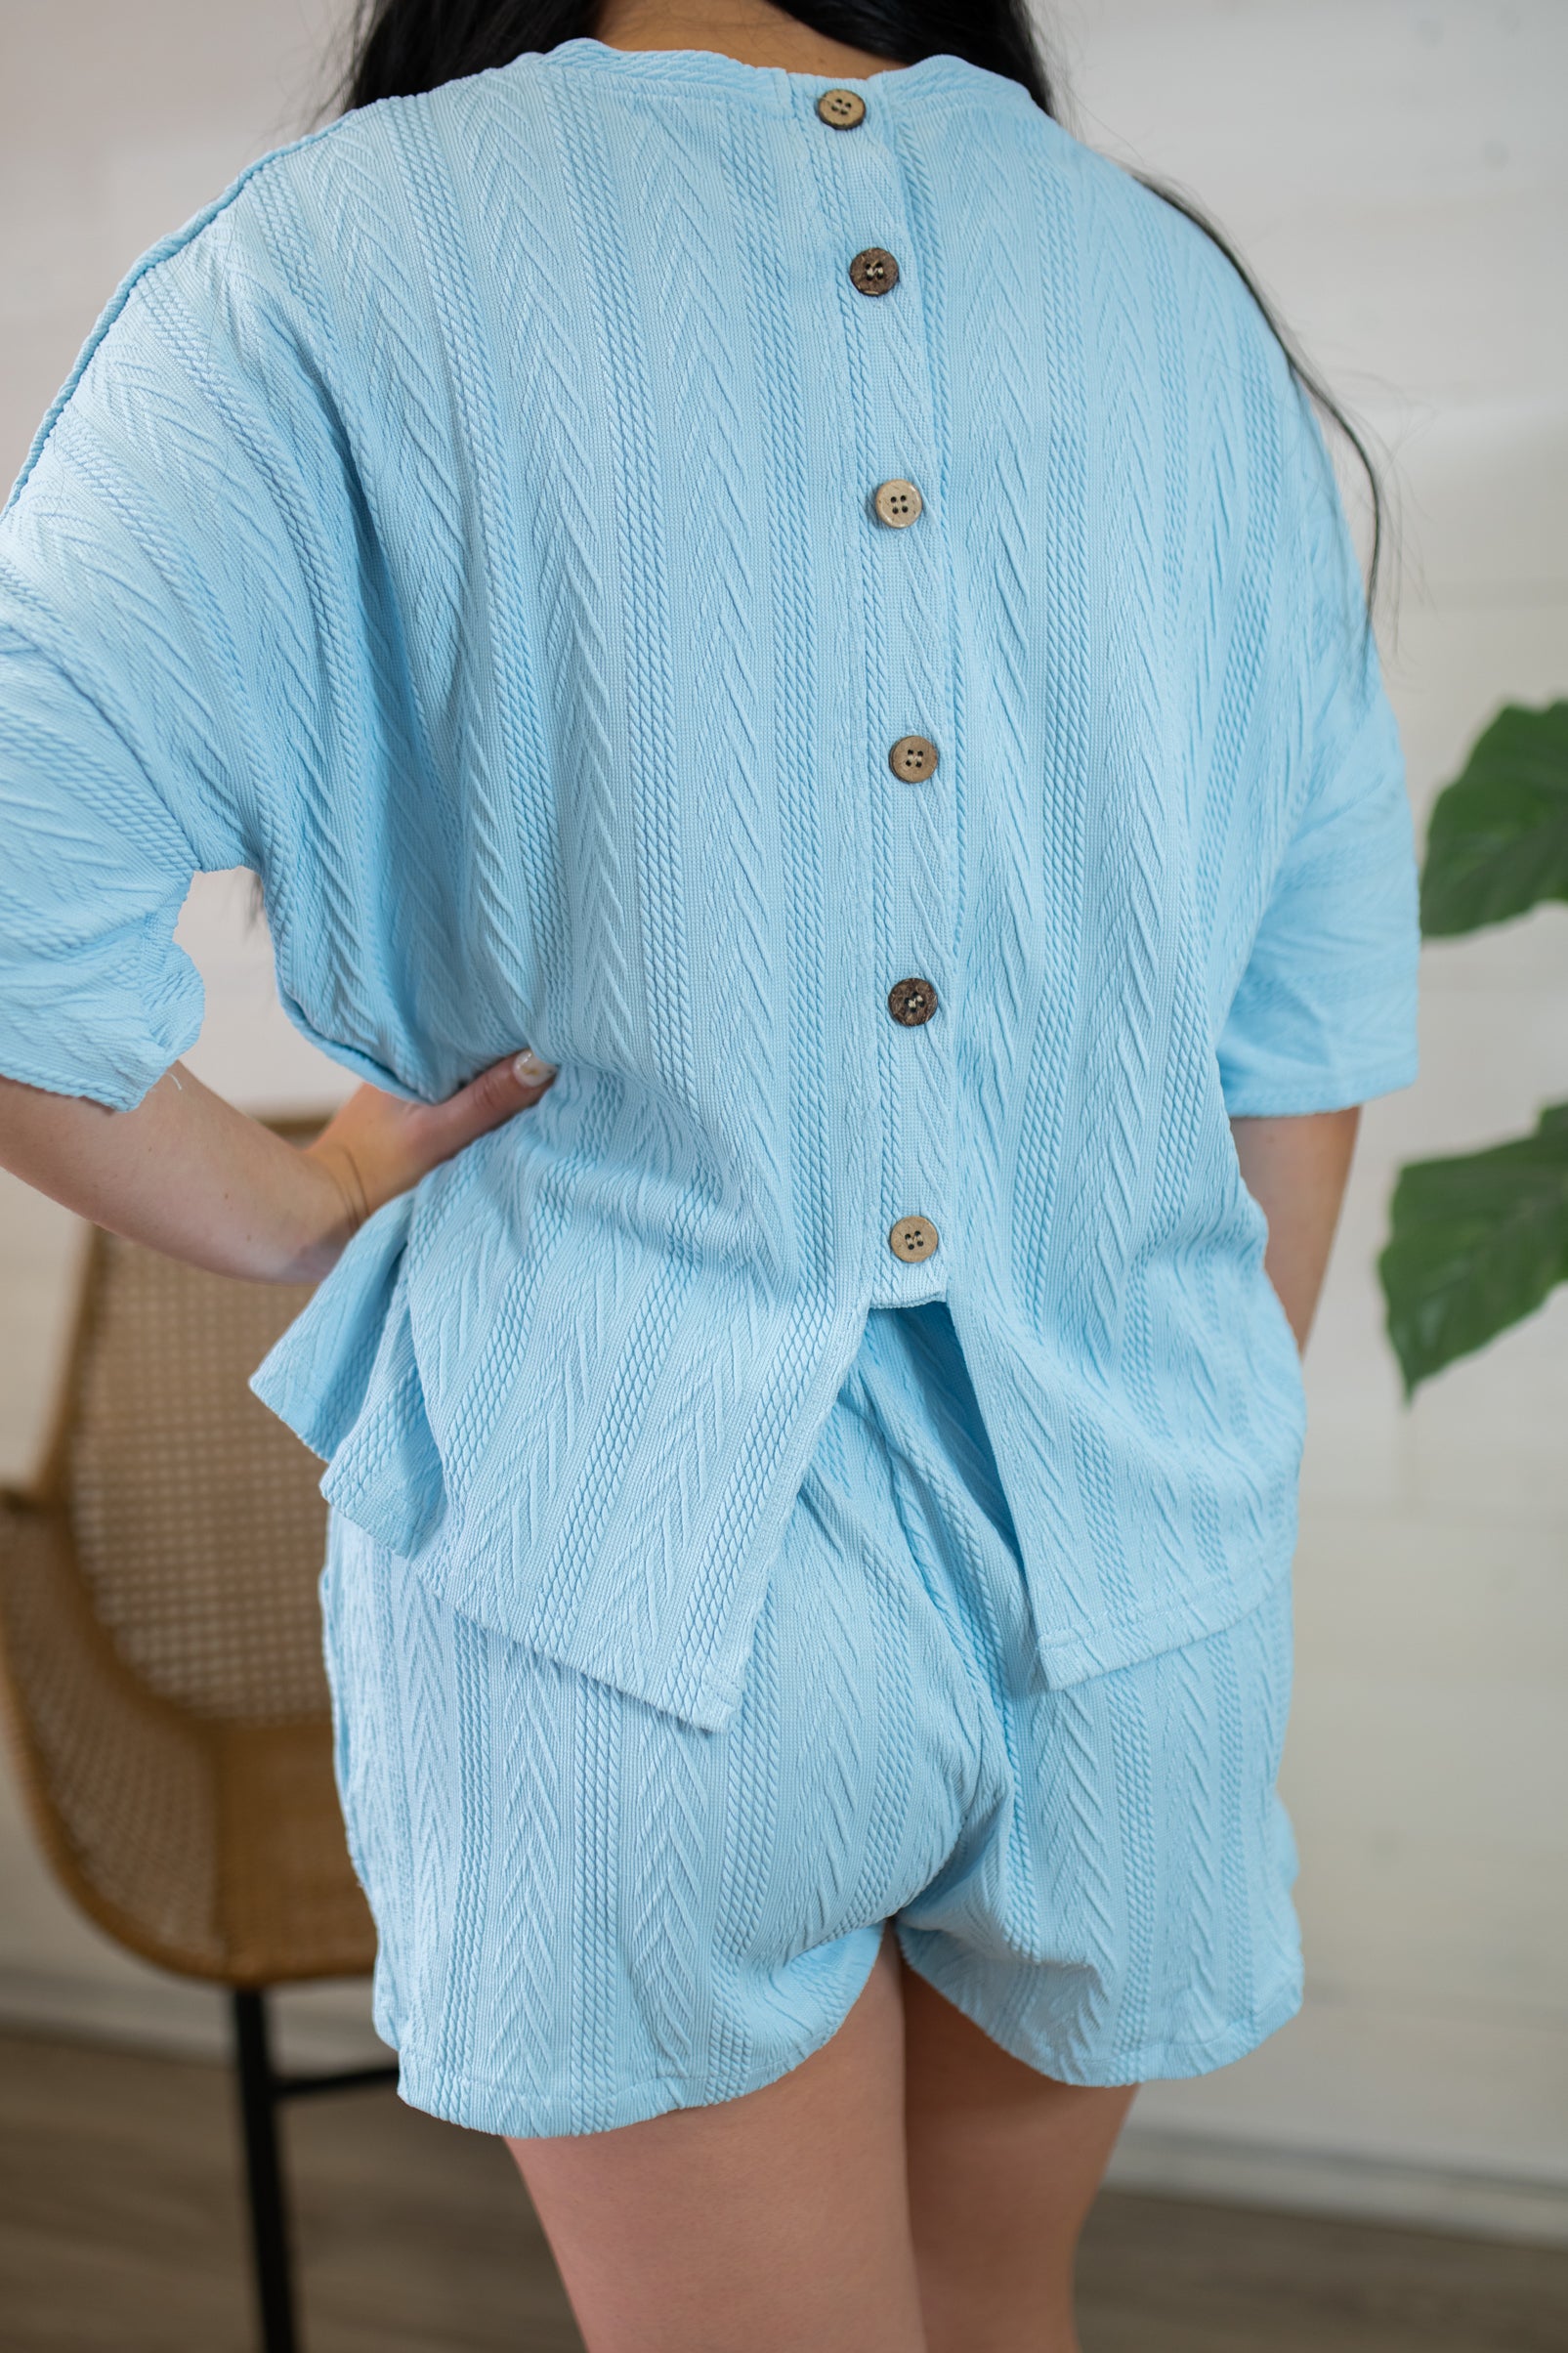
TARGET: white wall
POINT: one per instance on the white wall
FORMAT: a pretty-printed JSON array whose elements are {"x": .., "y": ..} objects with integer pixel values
[
  {"x": 116, "y": 123},
  {"x": 1396, "y": 171}
]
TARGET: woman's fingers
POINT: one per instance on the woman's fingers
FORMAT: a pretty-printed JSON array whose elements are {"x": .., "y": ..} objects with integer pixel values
[
  {"x": 531, "y": 1074},
  {"x": 496, "y": 1094},
  {"x": 378, "y": 1146}
]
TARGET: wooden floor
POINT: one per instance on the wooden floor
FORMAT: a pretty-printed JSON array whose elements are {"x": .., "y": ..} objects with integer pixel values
[{"x": 121, "y": 2232}]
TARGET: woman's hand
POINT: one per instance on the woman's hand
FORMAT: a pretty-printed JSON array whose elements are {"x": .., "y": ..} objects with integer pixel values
[
  {"x": 188, "y": 1175},
  {"x": 1295, "y": 1170},
  {"x": 378, "y": 1146}
]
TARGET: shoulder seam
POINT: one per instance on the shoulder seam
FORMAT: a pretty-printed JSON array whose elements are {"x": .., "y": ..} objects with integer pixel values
[{"x": 164, "y": 250}]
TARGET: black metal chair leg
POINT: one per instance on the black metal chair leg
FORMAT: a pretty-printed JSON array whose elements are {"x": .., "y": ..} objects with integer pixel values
[{"x": 269, "y": 2218}]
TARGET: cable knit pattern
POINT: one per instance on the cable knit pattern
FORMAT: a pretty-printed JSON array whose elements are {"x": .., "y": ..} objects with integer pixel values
[
  {"x": 590, "y": 1912},
  {"x": 467, "y": 523}
]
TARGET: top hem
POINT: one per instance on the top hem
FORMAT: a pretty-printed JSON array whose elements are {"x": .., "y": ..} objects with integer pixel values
[{"x": 1104, "y": 1651}]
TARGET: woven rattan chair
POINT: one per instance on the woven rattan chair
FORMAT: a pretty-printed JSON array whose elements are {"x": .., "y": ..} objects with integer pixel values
[{"x": 160, "y": 1642}]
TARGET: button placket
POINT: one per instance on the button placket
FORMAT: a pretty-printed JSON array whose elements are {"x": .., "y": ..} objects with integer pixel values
[
  {"x": 873, "y": 270},
  {"x": 909, "y": 681},
  {"x": 912, "y": 1002},
  {"x": 897, "y": 503},
  {"x": 841, "y": 109},
  {"x": 912, "y": 1239},
  {"x": 914, "y": 758}
]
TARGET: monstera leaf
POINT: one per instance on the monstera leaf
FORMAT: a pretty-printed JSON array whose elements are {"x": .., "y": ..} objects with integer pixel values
[
  {"x": 1499, "y": 838},
  {"x": 1475, "y": 1244}
]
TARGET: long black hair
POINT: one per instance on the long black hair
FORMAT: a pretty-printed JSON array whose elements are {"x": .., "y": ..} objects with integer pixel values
[{"x": 402, "y": 46}]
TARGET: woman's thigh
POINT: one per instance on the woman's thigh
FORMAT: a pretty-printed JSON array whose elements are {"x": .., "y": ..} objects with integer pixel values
[
  {"x": 1004, "y": 2163},
  {"x": 773, "y": 2221},
  {"x": 910, "y": 2185}
]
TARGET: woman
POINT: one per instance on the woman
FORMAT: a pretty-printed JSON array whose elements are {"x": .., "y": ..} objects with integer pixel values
[{"x": 726, "y": 546}]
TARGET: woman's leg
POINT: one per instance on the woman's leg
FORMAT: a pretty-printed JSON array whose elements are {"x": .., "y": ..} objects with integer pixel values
[
  {"x": 775, "y": 2221},
  {"x": 1003, "y": 2166}
]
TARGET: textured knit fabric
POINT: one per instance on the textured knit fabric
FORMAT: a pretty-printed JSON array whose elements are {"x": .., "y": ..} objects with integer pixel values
[
  {"x": 590, "y": 1911},
  {"x": 468, "y": 524}
]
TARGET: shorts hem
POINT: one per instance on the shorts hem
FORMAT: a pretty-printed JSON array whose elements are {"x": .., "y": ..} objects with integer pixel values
[
  {"x": 1147, "y": 2063},
  {"x": 481, "y": 2104}
]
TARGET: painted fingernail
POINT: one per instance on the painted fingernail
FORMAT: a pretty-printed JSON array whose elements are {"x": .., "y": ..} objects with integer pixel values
[{"x": 528, "y": 1069}]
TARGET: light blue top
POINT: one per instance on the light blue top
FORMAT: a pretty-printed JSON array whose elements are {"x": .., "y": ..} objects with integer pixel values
[{"x": 468, "y": 523}]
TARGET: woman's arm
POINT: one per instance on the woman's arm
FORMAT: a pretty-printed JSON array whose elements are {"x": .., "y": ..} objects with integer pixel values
[
  {"x": 1295, "y": 1170},
  {"x": 187, "y": 1174}
]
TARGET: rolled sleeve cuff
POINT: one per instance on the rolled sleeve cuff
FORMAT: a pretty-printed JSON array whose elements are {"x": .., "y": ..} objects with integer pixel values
[{"x": 104, "y": 1022}]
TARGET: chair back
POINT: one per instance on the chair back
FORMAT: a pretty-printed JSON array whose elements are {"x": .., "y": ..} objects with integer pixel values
[
  {"x": 196, "y": 1515},
  {"x": 161, "y": 1637}
]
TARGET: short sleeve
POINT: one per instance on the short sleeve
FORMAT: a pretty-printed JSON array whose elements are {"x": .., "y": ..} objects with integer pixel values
[
  {"x": 1325, "y": 1014},
  {"x": 150, "y": 596},
  {"x": 95, "y": 998}
]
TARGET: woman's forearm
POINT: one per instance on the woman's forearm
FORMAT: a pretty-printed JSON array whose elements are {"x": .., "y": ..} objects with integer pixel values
[
  {"x": 185, "y": 1173},
  {"x": 188, "y": 1175},
  {"x": 1295, "y": 1170}
]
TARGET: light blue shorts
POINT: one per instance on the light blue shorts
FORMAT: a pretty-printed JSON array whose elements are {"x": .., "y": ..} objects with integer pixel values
[{"x": 591, "y": 1912}]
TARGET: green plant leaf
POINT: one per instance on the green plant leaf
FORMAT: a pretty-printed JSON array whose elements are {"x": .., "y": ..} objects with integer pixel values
[
  {"x": 1498, "y": 844},
  {"x": 1475, "y": 1245}
]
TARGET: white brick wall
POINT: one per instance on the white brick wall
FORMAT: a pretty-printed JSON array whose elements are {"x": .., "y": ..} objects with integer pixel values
[{"x": 1396, "y": 171}]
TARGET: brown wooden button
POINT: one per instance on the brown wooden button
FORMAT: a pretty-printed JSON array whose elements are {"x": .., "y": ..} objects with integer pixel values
[
  {"x": 898, "y": 505},
  {"x": 841, "y": 109},
  {"x": 914, "y": 1239},
  {"x": 912, "y": 758},
  {"x": 874, "y": 271},
  {"x": 912, "y": 1002}
]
